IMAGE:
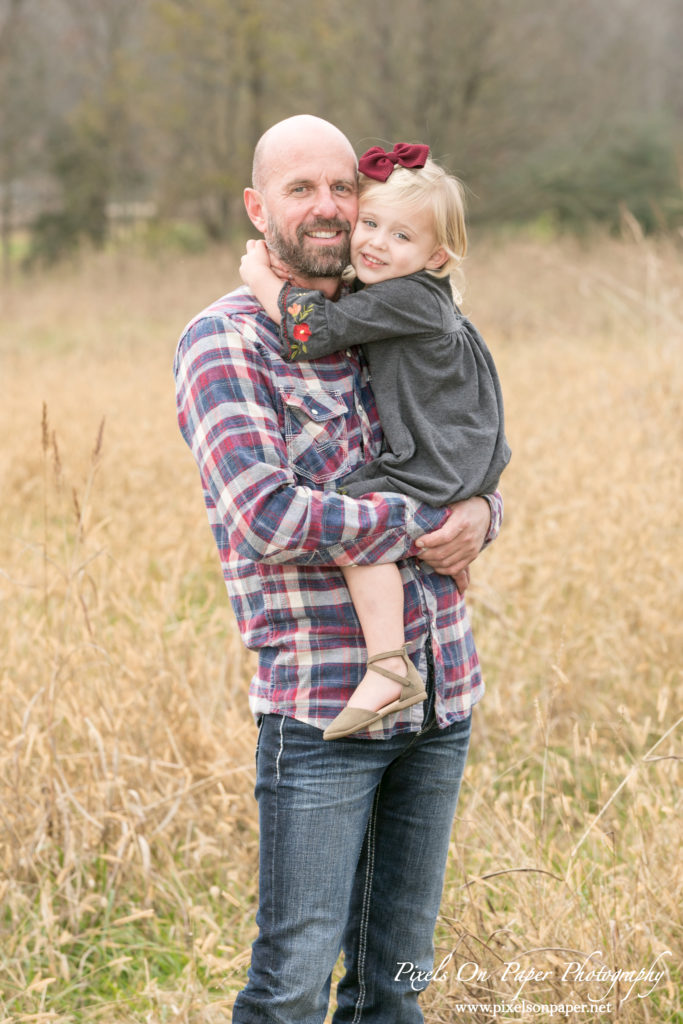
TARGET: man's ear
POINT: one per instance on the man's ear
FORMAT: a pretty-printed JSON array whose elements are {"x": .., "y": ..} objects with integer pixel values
[
  {"x": 437, "y": 259},
  {"x": 256, "y": 210}
]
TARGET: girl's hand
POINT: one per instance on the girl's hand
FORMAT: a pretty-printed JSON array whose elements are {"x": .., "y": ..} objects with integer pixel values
[
  {"x": 258, "y": 275},
  {"x": 254, "y": 261},
  {"x": 282, "y": 270}
]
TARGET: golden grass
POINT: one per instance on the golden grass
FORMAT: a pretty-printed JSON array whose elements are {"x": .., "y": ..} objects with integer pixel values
[{"x": 128, "y": 829}]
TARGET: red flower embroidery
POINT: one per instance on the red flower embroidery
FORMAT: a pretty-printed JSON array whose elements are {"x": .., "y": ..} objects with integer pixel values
[{"x": 301, "y": 332}]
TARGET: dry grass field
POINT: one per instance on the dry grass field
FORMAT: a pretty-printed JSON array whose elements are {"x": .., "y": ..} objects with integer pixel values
[{"x": 128, "y": 833}]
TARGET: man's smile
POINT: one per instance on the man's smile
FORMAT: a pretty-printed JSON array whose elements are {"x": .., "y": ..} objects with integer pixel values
[{"x": 326, "y": 232}]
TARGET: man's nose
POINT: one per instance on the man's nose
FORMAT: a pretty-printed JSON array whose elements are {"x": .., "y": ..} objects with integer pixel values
[{"x": 326, "y": 205}]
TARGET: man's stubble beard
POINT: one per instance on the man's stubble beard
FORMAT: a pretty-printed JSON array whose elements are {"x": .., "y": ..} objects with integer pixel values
[{"x": 322, "y": 261}]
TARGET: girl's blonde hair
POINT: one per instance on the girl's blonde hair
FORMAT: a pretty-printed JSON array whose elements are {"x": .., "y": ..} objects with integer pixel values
[{"x": 428, "y": 186}]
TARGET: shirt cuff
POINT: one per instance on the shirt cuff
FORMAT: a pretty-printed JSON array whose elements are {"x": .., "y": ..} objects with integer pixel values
[
  {"x": 421, "y": 519},
  {"x": 495, "y": 504}
]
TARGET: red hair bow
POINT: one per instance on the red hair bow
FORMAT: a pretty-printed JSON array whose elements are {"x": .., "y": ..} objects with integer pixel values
[{"x": 378, "y": 164}]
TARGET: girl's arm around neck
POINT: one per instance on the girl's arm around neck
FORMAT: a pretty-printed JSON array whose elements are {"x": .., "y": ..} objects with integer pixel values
[
  {"x": 313, "y": 327},
  {"x": 256, "y": 272}
]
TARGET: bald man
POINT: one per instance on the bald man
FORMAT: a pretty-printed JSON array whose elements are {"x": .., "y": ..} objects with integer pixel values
[{"x": 354, "y": 833}]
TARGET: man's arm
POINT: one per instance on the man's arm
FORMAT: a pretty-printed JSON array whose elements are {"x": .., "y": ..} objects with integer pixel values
[{"x": 228, "y": 416}]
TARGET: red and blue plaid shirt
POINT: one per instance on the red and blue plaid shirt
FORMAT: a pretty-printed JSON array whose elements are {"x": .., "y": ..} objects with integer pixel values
[{"x": 271, "y": 439}]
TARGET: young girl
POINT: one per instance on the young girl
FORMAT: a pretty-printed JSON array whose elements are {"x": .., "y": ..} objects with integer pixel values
[{"x": 434, "y": 381}]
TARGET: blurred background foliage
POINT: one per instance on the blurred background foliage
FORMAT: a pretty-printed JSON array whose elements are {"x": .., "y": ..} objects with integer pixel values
[{"x": 143, "y": 114}]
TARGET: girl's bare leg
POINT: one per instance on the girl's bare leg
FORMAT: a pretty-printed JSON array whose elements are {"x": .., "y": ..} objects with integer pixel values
[{"x": 377, "y": 595}]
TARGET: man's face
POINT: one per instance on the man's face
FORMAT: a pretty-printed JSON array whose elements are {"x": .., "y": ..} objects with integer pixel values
[{"x": 311, "y": 204}]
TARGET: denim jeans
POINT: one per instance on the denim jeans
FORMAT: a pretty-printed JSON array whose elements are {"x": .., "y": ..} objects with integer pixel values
[{"x": 354, "y": 841}]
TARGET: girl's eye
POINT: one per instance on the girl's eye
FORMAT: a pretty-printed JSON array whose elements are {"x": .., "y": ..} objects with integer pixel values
[
  {"x": 369, "y": 223},
  {"x": 401, "y": 236}
]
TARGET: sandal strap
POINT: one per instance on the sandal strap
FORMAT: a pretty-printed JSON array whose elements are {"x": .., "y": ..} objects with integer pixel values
[
  {"x": 400, "y": 653},
  {"x": 387, "y": 673}
]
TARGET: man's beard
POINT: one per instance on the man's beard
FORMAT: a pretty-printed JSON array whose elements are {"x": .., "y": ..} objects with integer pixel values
[{"x": 318, "y": 261}]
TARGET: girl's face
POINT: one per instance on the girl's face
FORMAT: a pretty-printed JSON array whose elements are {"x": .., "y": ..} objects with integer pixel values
[{"x": 389, "y": 242}]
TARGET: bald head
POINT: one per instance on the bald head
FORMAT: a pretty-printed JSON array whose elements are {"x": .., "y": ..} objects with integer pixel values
[{"x": 282, "y": 144}]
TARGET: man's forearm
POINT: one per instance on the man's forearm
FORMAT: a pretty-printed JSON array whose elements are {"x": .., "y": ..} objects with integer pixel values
[{"x": 297, "y": 525}]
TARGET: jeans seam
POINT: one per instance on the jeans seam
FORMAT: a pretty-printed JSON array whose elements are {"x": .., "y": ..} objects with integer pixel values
[
  {"x": 276, "y": 812},
  {"x": 365, "y": 911},
  {"x": 280, "y": 749}
]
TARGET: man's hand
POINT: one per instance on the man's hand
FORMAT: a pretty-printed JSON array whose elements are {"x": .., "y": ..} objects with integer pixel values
[{"x": 450, "y": 549}]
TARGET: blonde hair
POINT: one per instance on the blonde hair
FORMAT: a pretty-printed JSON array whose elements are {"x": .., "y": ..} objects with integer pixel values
[{"x": 429, "y": 186}]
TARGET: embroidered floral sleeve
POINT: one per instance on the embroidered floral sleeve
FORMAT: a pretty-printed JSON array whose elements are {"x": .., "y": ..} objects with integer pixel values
[
  {"x": 313, "y": 326},
  {"x": 303, "y": 318}
]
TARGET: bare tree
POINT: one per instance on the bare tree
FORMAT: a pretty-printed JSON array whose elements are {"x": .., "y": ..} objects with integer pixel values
[{"x": 22, "y": 113}]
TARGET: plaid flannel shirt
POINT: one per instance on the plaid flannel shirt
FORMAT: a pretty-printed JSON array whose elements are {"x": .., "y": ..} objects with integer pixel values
[{"x": 271, "y": 439}]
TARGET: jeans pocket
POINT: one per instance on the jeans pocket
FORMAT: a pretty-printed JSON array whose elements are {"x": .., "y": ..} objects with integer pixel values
[
  {"x": 259, "y": 730},
  {"x": 316, "y": 434}
]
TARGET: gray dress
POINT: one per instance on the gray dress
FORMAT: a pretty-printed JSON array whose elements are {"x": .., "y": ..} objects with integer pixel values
[{"x": 434, "y": 380}]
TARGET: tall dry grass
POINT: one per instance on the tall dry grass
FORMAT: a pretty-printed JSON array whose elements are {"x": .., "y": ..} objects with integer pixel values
[{"x": 129, "y": 834}]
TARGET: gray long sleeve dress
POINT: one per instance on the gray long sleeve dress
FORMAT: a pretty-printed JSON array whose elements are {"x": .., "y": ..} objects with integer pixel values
[{"x": 435, "y": 384}]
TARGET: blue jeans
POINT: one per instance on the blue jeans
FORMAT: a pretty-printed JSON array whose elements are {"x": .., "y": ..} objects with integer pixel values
[{"x": 354, "y": 841}]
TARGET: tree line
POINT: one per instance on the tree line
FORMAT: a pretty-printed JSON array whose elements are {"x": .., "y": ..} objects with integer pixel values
[{"x": 570, "y": 110}]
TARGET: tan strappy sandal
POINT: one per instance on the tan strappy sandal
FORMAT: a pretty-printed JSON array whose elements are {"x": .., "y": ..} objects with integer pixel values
[{"x": 351, "y": 720}]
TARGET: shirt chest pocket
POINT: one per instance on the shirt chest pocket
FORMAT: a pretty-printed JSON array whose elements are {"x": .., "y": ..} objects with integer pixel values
[{"x": 316, "y": 434}]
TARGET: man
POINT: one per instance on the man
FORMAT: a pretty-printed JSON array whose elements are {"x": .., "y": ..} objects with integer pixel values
[{"x": 354, "y": 832}]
